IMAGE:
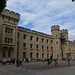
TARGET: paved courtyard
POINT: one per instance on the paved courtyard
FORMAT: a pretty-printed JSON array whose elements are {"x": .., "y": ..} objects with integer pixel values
[{"x": 38, "y": 68}]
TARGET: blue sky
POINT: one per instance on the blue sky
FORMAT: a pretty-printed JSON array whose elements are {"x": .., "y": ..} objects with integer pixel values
[{"x": 40, "y": 15}]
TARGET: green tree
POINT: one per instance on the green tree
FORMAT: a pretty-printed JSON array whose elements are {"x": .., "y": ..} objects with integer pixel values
[
  {"x": 2, "y": 5},
  {"x": 73, "y": 0}
]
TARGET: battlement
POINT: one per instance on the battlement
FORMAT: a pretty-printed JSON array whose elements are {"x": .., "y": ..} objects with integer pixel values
[
  {"x": 11, "y": 14},
  {"x": 55, "y": 27},
  {"x": 64, "y": 31}
]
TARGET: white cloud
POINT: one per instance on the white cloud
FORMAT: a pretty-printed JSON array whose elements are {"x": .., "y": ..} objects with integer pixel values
[{"x": 45, "y": 13}]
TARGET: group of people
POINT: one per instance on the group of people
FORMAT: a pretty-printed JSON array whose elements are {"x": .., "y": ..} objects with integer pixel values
[
  {"x": 5, "y": 61},
  {"x": 10, "y": 61},
  {"x": 49, "y": 61}
]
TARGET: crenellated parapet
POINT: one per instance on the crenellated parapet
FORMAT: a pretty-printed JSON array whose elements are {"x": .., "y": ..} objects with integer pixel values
[
  {"x": 11, "y": 14},
  {"x": 55, "y": 27},
  {"x": 10, "y": 17},
  {"x": 64, "y": 31}
]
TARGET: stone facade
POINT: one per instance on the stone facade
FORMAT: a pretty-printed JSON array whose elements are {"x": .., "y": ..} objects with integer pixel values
[{"x": 16, "y": 41}]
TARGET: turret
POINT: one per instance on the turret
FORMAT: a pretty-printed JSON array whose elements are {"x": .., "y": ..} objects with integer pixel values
[
  {"x": 55, "y": 31},
  {"x": 64, "y": 33}
]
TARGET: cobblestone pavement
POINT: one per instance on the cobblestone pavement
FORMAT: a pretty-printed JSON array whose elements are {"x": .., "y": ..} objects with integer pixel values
[{"x": 38, "y": 68}]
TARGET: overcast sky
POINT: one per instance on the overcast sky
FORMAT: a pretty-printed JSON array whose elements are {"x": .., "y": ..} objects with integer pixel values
[{"x": 40, "y": 15}]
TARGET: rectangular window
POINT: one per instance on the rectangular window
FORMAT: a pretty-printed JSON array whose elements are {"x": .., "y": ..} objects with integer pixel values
[
  {"x": 37, "y": 38},
  {"x": 42, "y": 47},
  {"x": 42, "y": 40},
  {"x": 51, "y": 41},
  {"x": 37, "y": 55},
  {"x": 11, "y": 40},
  {"x": 24, "y": 36},
  {"x": 42, "y": 55},
  {"x": 24, "y": 44},
  {"x": 47, "y": 40},
  {"x": 31, "y": 38},
  {"x": 5, "y": 40},
  {"x": 31, "y": 54},
  {"x": 24, "y": 54},
  {"x": 18, "y": 35},
  {"x": 31, "y": 45},
  {"x": 56, "y": 42},
  {"x": 6, "y": 30},
  {"x": 37, "y": 46}
]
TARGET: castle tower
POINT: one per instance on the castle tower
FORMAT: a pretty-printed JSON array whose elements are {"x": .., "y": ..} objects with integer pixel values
[
  {"x": 56, "y": 41},
  {"x": 55, "y": 31},
  {"x": 8, "y": 33},
  {"x": 64, "y": 33}
]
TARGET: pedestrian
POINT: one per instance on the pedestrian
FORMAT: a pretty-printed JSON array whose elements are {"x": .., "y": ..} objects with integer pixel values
[
  {"x": 56, "y": 61},
  {"x": 20, "y": 61},
  {"x": 9, "y": 61},
  {"x": 48, "y": 61}
]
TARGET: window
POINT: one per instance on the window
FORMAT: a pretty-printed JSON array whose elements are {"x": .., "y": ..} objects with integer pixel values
[
  {"x": 5, "y": 40},
  {"x": 37, "y": 55},
  {"x": 8, "y": 30},
  {"x": 24, "y": 44},
  {"x": 31, "y": 45},
  {"x": 3, "y": 16},
  {"x": 31, "y": 38},
  {"x": 47, "y": 40},
  {"x": 24, "y": 36},
  {"x": 11, "y": 40},
  {"x": 31, "y": 54},
  {"x": 42, "y": 55},
  {"x": 42, "y": 47},
  {"x": 56, "y": 42},
  {"x": 8, "y": 40},
  {"x": 42, "y": 39},
  {"x": 37, "y": 46},
  {"x": 37, "y": 38},
  {"x": 51, "y": 41},
  {"x": 56, "y": 35},
  {"x": 24, "y": 54},
  {"x": 18, "y": 35}
]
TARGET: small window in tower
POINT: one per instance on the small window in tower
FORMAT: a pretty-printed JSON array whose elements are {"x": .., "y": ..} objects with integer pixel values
[
  {"x": 56, "y": 42},
  {"x": 56, "y": 35}
]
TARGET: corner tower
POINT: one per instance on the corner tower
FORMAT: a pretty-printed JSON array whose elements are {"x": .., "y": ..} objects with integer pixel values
[
  {"x": 56, "y": 41},
  {"x": 55, "y": 31},
  {"x": 8, "y": 33}
]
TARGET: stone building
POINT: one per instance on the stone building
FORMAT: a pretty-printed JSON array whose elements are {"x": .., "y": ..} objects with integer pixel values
[{"x": 16, "y": 41}]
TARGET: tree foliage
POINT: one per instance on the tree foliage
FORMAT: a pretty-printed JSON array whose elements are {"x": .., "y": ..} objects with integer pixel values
[
  {"x": 73, "y": 0},
  {"x": 2, "y": 5}
]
